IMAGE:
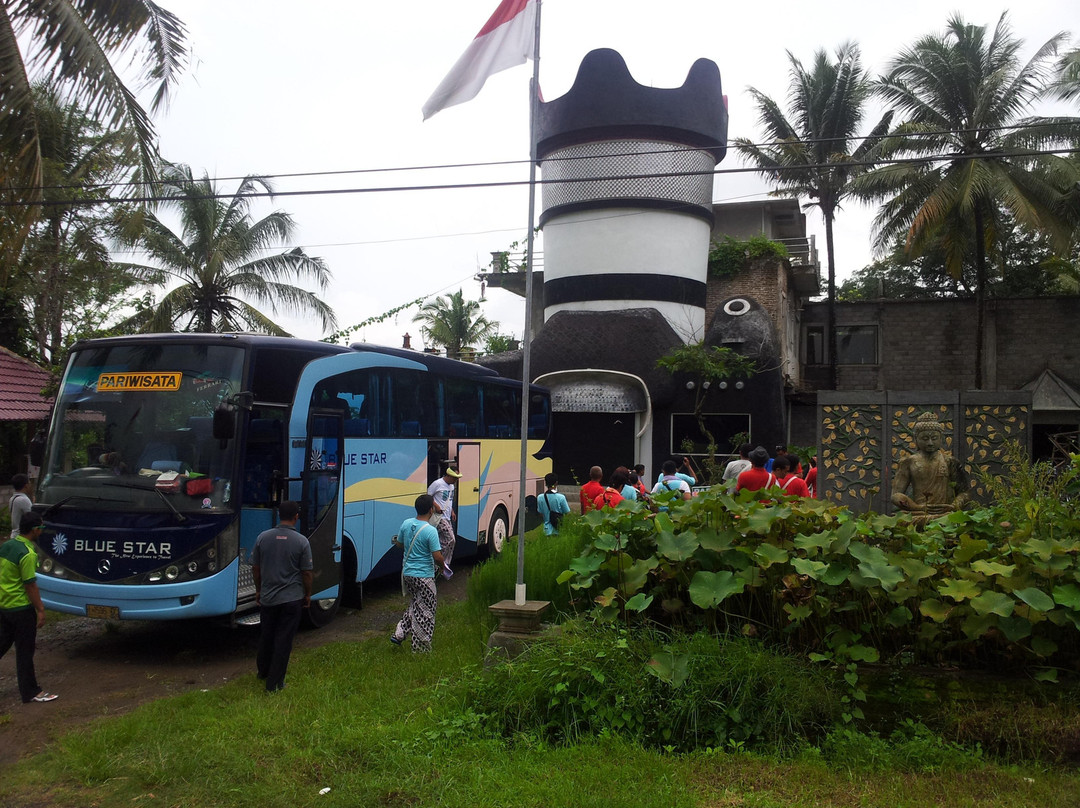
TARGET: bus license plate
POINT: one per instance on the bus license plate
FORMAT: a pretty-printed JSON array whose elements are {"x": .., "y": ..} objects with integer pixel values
[{"x": 103, "y": 612}]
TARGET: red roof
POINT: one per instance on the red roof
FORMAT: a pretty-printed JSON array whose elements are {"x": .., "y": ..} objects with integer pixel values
[{"x": 21, "y": 383}]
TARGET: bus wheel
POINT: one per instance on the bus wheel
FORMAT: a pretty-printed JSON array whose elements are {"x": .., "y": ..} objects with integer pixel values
[
  {"x": 323, "y": 610},
  {"x": 497, "y": 532}
]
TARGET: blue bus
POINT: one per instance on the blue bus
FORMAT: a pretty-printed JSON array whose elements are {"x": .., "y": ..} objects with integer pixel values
[{"x": 167, "y": 455}]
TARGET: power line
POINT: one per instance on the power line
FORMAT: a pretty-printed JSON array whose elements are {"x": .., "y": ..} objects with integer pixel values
[
  {"x": 781, "y": 169},
  {"x": 566, "y": 159}
]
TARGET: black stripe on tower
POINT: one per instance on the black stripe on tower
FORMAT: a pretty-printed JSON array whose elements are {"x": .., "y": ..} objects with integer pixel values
[
  {"x": 624, "y": 286},
  {"x": 705, "y": 214}
]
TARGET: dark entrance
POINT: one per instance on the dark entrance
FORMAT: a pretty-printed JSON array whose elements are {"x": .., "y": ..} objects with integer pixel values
[{"x": 581, "y": 440}]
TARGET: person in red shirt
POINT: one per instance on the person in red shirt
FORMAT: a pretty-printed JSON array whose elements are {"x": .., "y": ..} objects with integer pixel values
[
  {"x": 811, "y": 481},
  {"x": 756, "y": 477},
  {"x": 592, "y": 489},
  {"x": 612, "y": 495},
  {"x": 790, "y": 484}
]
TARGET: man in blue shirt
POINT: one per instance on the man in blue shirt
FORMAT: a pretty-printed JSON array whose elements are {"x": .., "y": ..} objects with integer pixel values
[
  {"x": 552, "y": 502},
  {"x": 420, "y": 543},
  {"x": 281, "y": 566}
]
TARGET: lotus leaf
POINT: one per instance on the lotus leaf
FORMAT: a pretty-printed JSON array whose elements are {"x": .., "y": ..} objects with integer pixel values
[
  {"x": 1068, "y": 595},
  {"x": 1015, "y": 628},
  {"x": 769, "y": 554},
  {"x": 1043, "y": 646},
  {"x": 958, "y": 589},
  {"x": 1035, "y": 598},
  {"x": 670, "y": 667},
  {"x": 935, "y": 610},
  {"x": 994, "y": 568},
  {"x": 805, "y": 566},
  {"x": 676, "y": 547},
  {"x": 882, "y": 571},
  {"x": 993, "y": 603},
  {"x": 639, "y": 602},
  {"x": 709, "y": 589}
]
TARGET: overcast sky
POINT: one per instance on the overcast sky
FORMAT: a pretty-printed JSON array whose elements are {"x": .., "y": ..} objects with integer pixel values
[{"x": 284, "y": 88}]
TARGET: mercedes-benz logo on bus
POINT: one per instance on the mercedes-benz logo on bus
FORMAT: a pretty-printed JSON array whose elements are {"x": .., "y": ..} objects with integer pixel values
[{"x": 104, "y": 566}]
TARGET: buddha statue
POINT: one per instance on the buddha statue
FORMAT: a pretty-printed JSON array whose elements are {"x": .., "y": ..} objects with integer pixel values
[{"x": 929, "y": 483}]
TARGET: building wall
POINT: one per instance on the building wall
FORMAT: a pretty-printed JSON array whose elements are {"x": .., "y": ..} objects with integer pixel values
[{"x": 930, "y": 345}]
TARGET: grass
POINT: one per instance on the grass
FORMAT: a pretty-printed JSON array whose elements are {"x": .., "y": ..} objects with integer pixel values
[{"x": 379, "y": 726}]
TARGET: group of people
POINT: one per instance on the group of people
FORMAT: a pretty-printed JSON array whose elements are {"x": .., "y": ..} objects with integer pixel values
[{"x": 754, "y": 469}]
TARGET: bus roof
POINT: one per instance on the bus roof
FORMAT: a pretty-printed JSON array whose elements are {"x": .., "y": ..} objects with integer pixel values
[
  {"x": 438, "y": 364},
  {"x": 229, "y": 338}
]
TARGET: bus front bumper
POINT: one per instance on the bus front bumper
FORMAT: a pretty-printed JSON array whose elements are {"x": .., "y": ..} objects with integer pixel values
[{"x": 204, "y": 597}]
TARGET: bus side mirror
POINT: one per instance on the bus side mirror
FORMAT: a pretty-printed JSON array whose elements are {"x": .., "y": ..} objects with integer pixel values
[
  {"x": 224, "y": 422},
  {"x": 36, "y": 450}
]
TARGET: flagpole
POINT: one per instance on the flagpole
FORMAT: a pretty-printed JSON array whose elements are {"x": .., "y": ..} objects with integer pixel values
[{"x": 526, "y": 378}]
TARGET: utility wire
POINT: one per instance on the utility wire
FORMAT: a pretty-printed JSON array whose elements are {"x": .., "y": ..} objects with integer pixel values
[
  {"x": 772, "y": 170},
  {"x": 563, "y": 159}
]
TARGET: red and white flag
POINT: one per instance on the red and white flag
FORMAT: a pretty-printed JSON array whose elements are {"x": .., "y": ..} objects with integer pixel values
[{"x": 506, "y": 40}]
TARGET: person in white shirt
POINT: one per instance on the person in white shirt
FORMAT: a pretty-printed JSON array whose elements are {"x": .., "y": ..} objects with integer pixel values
[
  {"x": 736, "y": 467},
  {"x": 442, "y": 491}
]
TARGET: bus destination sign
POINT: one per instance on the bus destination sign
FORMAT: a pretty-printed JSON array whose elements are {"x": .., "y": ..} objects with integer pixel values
[{"x": 145, "y": 382}]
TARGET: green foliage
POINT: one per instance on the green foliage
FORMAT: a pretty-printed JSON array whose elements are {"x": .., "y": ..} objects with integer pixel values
[
  {"x": 676, "y": 692},
  {"x": 500, "y": 343},
  {"x": 911, "y": 747},
  {"x": 728, "y": 256},
  {"x": 545, "y": 558},
  {"x": 997, "y": 585}
]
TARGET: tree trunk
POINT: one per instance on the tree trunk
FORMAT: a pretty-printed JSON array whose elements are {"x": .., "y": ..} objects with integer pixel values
[
  {"x": 830, "y": 307},
  {"x": 980, "y": 295}
]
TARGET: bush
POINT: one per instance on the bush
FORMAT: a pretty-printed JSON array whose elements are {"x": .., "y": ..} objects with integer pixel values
[
  {"x": 728, "y": 256},
  {"x": 677, "y": 692}
]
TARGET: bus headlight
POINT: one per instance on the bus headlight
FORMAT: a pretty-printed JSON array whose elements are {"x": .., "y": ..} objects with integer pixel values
[
  {"x": 193, "y": 567},
  {"x": 172, "y": 572},
  {"x": 154, "y": 576},
  {"x": 47, "y": 565}
]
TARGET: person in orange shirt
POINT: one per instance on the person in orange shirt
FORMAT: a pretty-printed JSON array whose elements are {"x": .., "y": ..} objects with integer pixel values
[
  {"x": 592, "y": 489},
  {"x": 612, "y": 495}
]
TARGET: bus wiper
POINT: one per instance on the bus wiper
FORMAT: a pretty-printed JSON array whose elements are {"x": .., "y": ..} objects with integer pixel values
[
  {"x": 180, "y": 518},
  {"x": 48, "y": 511}
]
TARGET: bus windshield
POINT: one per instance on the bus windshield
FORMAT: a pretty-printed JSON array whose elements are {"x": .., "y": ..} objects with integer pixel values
[{"x": 133, "y": 429}]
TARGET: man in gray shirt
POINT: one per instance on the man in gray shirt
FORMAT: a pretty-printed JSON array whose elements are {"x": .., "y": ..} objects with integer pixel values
[
  {"x": 20, "y": 504},
  {"x": 281, "y": 566}
]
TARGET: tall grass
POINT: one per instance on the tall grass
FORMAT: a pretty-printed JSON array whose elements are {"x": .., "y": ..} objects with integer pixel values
[
  {"x": 545, "y": 558},
  {"x": 594, "y": 680}
]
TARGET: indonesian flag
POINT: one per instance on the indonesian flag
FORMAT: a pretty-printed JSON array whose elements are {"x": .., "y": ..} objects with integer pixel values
[{"x": 506, "y": 40}]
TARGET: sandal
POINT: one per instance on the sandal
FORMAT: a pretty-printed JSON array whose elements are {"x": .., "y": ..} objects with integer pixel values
[{"x": 43, "y": 696}]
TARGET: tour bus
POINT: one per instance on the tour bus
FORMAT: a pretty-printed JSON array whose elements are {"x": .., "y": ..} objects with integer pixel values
[{"x": 167, "y": 455}]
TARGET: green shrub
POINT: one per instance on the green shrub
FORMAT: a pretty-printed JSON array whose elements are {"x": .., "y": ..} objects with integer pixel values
[
  {"x": 727, "y": 257},
  {"x": 677, "y": 692},
  {"x": 910, "y": 748},
  {"x": 973, "y": 588}
]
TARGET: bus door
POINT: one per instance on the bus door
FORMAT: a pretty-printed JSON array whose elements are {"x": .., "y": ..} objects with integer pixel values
[
  {"x": 321, "y": 506},
  {"x": 468, "y": 491}
]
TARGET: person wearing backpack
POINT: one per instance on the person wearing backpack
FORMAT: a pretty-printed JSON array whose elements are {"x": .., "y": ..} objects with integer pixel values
[
  {"x": 790, "y": 484},
  {"x": 551, "y": 505},
  {"x": 671, "y": 480}
]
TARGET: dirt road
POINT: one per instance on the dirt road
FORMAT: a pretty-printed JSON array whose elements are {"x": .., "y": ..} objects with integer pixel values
[{"x": 102, "y": 668}]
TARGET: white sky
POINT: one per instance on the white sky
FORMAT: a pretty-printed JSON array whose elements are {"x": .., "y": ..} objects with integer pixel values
[{"x": 279, "y": 87}]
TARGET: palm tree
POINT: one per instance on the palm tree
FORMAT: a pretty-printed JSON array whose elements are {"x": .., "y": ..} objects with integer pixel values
[
  {"x": 975, "y": 158},
  {"x": 70, "y": 42},
  {"x": 65, "y": 274},
  {"x": 454, "y": 323},
  {"x": 216, "y": 260},
  {"x": 816, "y": 150}
]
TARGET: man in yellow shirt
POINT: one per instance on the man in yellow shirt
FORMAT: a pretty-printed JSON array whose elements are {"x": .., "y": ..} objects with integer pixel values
[{"x": 21, "y": 611}]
